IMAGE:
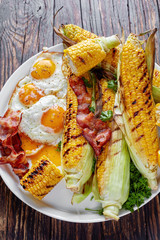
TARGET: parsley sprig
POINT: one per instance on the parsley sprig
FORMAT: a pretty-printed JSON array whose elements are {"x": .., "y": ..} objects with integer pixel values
[
  {"x": 86, "y": 82},
  {"x": 106, "y": 115},
  {"x": 92, "y": 109},
  {"x": 112, "y": 84},
  {"x": 139, "y": 189}
]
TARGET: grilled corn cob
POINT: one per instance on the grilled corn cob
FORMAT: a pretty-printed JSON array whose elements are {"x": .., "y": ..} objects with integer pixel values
[
  {"x": 112, "y": 169},
  {"x": 156, "y": 86},
  {"x": 41, "y": 178},
  {"x": 134, "y": 109},
  {"x": 87, "y": 54},
  {"x": 77, "y": 154},
  {"x": 110, "y": 62},
  {"x": 76, "y": 33}
]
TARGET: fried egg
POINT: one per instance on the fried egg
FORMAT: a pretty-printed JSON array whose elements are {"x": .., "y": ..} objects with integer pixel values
[
  {"x": 25, "y": 95},
  {"x": 43, "y": 122},
  {"x": 47, "y": 75},
  {"x": 40, "y": 97}
]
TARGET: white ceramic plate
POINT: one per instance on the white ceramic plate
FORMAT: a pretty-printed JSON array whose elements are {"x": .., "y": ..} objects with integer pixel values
[{"x": 57, "y": 203}]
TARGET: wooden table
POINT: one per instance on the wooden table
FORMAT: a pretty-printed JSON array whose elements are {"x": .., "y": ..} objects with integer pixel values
[{"x": 25, "y": 27}]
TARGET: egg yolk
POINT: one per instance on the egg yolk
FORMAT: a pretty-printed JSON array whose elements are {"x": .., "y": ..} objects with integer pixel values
[
  {"x": 50, "y": 152},
  {"x": 43, "y": 69},
  {"x": 30, "y": 147},
  {"x": 54, "y": 118},
  {"x": 29, "y": 94}
]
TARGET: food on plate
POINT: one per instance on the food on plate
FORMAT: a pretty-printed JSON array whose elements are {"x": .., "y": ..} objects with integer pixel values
[
  {"x": 111, "y": 180},
  {"x": 31, "y": 119},
  {"x": 41, "y": 178},
  {"x": 87, "y": 54},
  {"x": 77, "y": 34},
  {"x": 134, "y": 110},
  {"x": 76, "y": 154},
  {"x": 108, "y": 65},
  {"x": 86, "y": 113},
  {"x": 10, "y": 143},
  {"x": 139, "y": 189},
  {"x": 39, "y": 122}
]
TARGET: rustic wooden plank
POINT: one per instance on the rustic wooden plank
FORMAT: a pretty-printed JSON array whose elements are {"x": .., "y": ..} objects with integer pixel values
[{"x": 66, "y": 15}]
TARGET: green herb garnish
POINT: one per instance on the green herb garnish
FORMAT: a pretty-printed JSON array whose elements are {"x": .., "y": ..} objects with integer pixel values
[
  {"x": 92, "y": 109},
  {"x": 106, "y": 115},
  {"x": 99, "y": 211},
  {"x": 86, "y": 82},
  {"x": 139, "y": 189},
  {"x": 112, "y": 84},
  {"x": 94, "y": 163},
  {"x": 93, "y": 98},
  {"x": 91, "y": 198},
  {"x": 59, "y": 147}
]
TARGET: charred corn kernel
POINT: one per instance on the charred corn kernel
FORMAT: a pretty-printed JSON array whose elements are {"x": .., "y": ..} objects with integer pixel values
[
  {"x": 76, "y": 154},
  {"x": 87, "y": 54},
  {"x": 137, "y": 108},
  {"x": 156, "y": 78},
  {"x": 41, "y": 178},
  {"x": 108, "y": 98},
  {"x": 111, "y": 60},
  {"x": 112, "y": 168},
  {"x": 76, "y": 33}
]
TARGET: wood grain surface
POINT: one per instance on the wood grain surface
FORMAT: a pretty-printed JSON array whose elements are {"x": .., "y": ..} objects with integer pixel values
[{"x": 25, "y": 27}]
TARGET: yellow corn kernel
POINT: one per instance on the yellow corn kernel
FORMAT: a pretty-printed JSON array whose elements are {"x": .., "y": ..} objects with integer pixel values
[
  {"x": 76, "y": 33},
  {"x": 73, "y": 142},
  {"x": 111, "y": 60},
  {"x": 156, "y": 78},
  {"x": 138, "y": 100},
  {"x": 87, "y": 54},
  {"x": 84, "y": 56},
  {"x": 41, "y": 178},
  {"x": 108, "y": 98}
]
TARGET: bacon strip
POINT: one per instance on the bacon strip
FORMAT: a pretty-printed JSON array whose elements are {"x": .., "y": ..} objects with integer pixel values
[
  {"x": 96, "y": 132},
  {"x": 10, "y": 143}
]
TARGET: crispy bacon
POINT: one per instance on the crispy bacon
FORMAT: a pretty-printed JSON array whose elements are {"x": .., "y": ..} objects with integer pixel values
[
  {"x": 10, "y": 143},
  {"x": 96, "y": 132}
]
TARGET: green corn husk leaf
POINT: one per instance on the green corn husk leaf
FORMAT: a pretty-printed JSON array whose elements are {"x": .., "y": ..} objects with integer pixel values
[
  {"x": 83, "y": 194},
  {"x": 156, "y": 94},
  {"x": 116, "y": 177},
  {"x": 150, "y": 54},
  {"x": 136, "y": 151},
  {"x": 76, "y": 177}
]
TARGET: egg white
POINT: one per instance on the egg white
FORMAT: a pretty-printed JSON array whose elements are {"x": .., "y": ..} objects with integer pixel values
[
  {"x": 56, "y": 84},
  {"x": 15, "y": 103},
  {"x": 31, "y": 121}
]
